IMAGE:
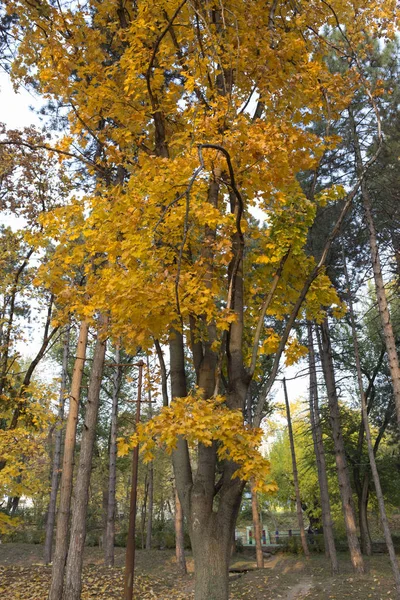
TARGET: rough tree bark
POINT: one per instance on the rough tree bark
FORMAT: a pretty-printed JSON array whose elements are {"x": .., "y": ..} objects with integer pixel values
[
  {"x": 55, "y": 476},
  {"x": 179, "y": 537},
  {"x": 73, "y": 579},
  {"x": 112, "y": 470},
  {"x": 316, "y": 431},
  {"x": 257, "y": 528},
  {"x": 61, "y": 547},
  {"x": 340, "y": 456},
  {"x": 370, "y": 446},
  {"x": 299, "y": 509}
]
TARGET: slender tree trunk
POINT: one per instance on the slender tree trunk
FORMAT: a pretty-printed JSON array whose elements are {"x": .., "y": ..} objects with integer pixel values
[
  {"x": 61, "y": 547},
  {"x": 340, "y": 456},
  {"x": 316, "y": 430},
  {"x": 144, "y": 511},
  {"x": 370, "y": 446},
  {"x": 366, "y": 544},
  {"x": 299, "y": 509},
  {"x": 73, "y": 581},
  {"x": 131, "y": 542},
  {"x": 149, "y": 526},
  {"x": 112, "y": 471},
  {"x": 383, "y": 305},
  {"x": 179, "y": 537},
  {"x": 257, "y": 529},
  {"x": 55, "y": 476},
  {"x": 12, "y": 505}
]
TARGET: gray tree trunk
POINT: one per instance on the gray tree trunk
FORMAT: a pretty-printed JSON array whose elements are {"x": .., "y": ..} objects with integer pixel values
[
  {"x": 211, "y": 546},
  {"x": 73, "y": 580},
  {"x": 316, "y": 430},
  {"x": 365, "y": 538},
  {"x": 61, "y": 547},
  {"x": 112, "y": 471},
  {"x": 257, "y": 529},
  {"x": 179, "y": 537},
  {"x": 55, "y": 476},
  {"x": 299, "y": 509},
  {"x": 340, "y": 456}
]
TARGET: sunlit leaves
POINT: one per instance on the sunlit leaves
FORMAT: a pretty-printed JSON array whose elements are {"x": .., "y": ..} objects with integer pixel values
[{"x": 205, "y": 421}]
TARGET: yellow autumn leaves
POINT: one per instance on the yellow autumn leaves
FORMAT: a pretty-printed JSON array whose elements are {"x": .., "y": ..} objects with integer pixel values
[{"x": 205, "y": 421}]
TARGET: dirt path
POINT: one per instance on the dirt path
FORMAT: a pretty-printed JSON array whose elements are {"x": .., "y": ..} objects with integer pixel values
[{"x": 300, "y": 590}]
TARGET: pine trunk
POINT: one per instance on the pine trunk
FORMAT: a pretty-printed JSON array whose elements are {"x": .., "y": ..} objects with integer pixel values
[
  {"x": 112, "y": 471},
  {"x": 299, "y": 509},
  {"x": 316, "y": 430},
  {"x": 383, "y": 305},
  {"x": 257, "y": 529},
  {"x": 365, "y": 538},
  {"x": 55, "y": 476},
  {"x": 340, "y": 456},
  {"x": 73, "y": 581},
  {"x": 179, "y": 537},
  {"x": 370, "y": 446},
  {"x": 61, "y": 547}
]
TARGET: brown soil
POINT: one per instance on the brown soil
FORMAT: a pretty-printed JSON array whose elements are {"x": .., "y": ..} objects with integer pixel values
[{"x": 285, "y": 577}]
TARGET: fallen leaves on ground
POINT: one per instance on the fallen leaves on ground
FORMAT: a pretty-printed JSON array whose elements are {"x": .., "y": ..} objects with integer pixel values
[{"x": 22, "y": 578}]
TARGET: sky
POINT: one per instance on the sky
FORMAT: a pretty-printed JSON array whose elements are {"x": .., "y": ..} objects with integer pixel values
[{"x": 16, "y": 113}]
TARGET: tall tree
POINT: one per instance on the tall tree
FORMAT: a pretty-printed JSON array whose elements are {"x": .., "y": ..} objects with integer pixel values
[
  {"x": 73, "y": 569},
  {"x": 316, "y": 431},
  {"x": 371, "y": 453},
  {"x": 55, "y": 475},
  {"x": 112, "y": 469},
  {"x": 63, "y": 518},
  {"x": 340, "y": 455},
  {"x": 174, "y": 101},
  {"x": 299, "y": 508}
]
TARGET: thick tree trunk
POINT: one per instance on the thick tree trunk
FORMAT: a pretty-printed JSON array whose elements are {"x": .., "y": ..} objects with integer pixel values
[
  {"x": 73, "y": 581},
  {"x": 365, "y": 538},
  {"x": 340, "y": 457},
  {"x": 61, "y": 548},
  {"x": 211, "y": 549},
  {"x": 299, "y": 509},
  {"x": 112, "y": 471},
  {"x": 257, "y": 529},
  {"x": 316, "y": 431},
  {"x": 370, "y": 446},
  {"x": 179, "y": 537},
  {"x": 55, "y": 476}
]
